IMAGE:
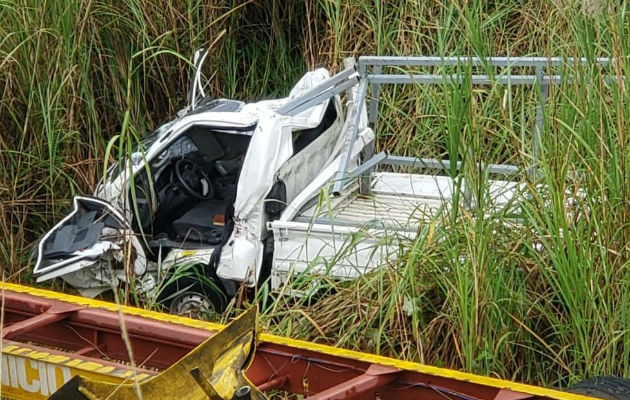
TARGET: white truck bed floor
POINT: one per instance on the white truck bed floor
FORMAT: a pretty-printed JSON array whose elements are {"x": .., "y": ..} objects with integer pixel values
[{"x": 399, "y": 201}]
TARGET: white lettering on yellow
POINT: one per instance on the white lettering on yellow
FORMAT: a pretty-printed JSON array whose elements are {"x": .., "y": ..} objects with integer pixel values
[
  {"x": 33, "y": 375},
  {"x": 33, "y": 386},
  {"x": 43, "y": 378},
  {"x": 52, "y": 376},
  {"x": 13, "y": 371},
  {"x": 5, "y": 371}
]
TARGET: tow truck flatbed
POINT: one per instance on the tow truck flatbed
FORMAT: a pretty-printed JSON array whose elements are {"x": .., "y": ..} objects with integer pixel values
[{"x": 50, "y": 337}]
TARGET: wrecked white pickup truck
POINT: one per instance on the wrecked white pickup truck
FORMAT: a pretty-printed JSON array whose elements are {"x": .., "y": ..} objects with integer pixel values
[{"x": 235, "y": 189}]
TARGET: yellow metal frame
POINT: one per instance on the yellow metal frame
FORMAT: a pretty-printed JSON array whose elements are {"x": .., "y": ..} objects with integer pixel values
[
  {"x": 300, "y": 344},
  {"x": 33, "y": 373}
]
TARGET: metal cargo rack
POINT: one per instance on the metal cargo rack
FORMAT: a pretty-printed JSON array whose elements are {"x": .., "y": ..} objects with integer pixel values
[{"x": 370, "y": 70}]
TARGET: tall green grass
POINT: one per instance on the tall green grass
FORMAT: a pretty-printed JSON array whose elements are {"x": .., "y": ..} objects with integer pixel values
[
  {"x": 547, "y": 301},
  {"x": 77, "y": 74},
  {"x": 543, "y": 301}
]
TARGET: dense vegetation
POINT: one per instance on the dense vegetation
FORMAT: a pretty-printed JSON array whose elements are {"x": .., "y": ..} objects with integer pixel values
[{"x": 82, "y": 77}]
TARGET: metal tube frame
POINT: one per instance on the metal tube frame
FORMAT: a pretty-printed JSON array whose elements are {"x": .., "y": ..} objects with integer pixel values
[
  {"x": 357, "y": 107},
  {"x": 370, "y": 69},
  {"x": 321, "y": 92}
]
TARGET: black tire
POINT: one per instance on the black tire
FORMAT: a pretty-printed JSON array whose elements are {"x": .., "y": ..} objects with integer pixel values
[
  {"x": 193, "y": 298},
  {"x": 603, "y": 387}
]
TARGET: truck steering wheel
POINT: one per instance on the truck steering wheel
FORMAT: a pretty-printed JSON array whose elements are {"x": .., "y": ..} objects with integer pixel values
[{"x": 190, "y": 176}]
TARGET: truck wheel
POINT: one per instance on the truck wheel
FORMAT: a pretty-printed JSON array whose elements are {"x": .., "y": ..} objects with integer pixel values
[
  {"x": 192, "y": 298},
  {"x": 604, "y": 387}
]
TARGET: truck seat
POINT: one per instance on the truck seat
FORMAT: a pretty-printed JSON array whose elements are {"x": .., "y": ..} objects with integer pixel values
[{"x": 204, "y": 222}]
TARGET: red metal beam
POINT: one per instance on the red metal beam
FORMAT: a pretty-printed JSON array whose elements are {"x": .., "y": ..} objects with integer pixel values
[
  {"x": 275, "y": 383},
  {"x": 54, "y": 313},
  {"x": 373, "y": 379}
]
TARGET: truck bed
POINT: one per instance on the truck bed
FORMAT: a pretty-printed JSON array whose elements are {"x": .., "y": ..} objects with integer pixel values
[
  {"x": 346, "y": 236},
  {"x": 398, "y": 201}
]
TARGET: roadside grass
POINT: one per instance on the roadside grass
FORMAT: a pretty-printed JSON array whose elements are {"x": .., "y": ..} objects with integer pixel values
[{"x": 545, "y": 300}]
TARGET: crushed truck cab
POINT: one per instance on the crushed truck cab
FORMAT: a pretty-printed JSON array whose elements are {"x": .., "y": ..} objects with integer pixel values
[{"x": 201, "y": 190}]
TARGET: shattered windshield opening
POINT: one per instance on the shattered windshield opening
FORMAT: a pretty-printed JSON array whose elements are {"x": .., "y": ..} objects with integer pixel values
[{"x": 138, "y": 152}]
